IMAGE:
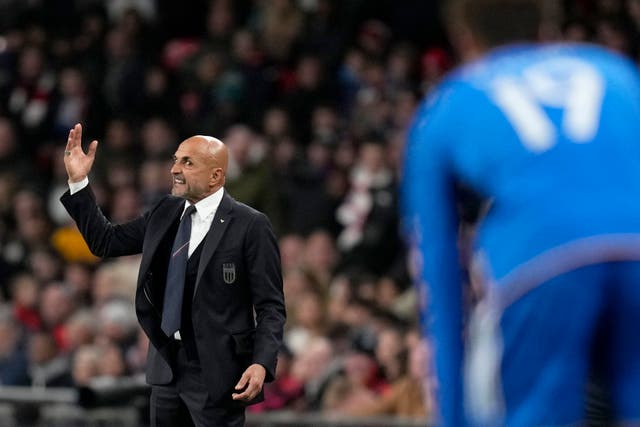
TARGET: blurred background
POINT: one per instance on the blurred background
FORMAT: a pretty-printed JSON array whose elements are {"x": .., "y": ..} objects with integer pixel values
[{"x": 313, "y": 98}]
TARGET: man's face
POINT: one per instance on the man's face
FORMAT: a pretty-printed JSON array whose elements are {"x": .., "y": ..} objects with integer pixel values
[{"x": 192, "y": 171}]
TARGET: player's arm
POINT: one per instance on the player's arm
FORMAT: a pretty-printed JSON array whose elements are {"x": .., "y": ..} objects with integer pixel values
[{"x": 430, "y": 213}]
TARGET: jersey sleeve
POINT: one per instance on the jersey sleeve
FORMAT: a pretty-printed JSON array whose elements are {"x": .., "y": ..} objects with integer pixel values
[{"x": 431, "y": 221}]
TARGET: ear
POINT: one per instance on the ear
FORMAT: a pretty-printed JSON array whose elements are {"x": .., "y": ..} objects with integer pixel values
[{"x": 216, "y": 177}]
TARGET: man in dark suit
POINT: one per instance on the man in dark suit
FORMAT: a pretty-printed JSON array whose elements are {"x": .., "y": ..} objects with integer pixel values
[{"x": 208, "y": 262}]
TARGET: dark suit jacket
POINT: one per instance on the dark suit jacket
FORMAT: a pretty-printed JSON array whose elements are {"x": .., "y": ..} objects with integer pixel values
[{"x": 239, "y": 271}]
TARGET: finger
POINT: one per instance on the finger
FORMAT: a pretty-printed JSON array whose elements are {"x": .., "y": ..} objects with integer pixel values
[
  {"x": 92, "y": 149},
  {"x": 252, "y": 390},
  {"x": 245, "y": 395},
  {"x": 242, "y": 396},
  {"x": 243, "y": 382},
  {"x": 78, "y": 128},
  {"x": 69, "y": 141},
  {"x": 74, "y": 138},
  {"x": 239, "y": 396}
]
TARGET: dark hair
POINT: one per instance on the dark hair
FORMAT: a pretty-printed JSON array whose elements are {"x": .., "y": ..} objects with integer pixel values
[{"x": 496, "y": 22}]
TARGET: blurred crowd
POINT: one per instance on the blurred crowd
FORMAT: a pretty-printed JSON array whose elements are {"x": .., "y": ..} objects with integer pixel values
[{"x": 312, "y": 97}]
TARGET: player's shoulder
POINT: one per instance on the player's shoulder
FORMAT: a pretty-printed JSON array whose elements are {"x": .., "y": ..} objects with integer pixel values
[
  {"x": 451, "y": 91},
  {"x": 592, "y": 53},
  {"x": 445, "y": 103},
  {"x": 514, "y": 60},
  {"x": 610, "y": 63}
]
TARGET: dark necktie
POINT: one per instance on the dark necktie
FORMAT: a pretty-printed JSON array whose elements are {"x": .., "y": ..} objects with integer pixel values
[{"x": 174, "y": 289}]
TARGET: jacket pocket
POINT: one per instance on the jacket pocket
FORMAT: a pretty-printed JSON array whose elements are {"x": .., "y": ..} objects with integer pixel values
[{"x": 243, "y": 343}]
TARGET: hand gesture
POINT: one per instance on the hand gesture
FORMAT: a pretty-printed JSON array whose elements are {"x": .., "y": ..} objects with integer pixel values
[
  {"x": 77, "y": 163},
  {"x": 252, "y": 379}
]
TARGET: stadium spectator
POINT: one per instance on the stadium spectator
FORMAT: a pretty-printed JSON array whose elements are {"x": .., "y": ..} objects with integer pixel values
[
  {"x": 320, "y": 258},
  {"x": 84, "y": 366},
  {"x": 279, "y": 23},
  {"x": 13, "y": 357},
  {"x": 309, "y": 320},
  {"x": 356, "y": 385},
  {"x": 25, "y": 293},
  {"x": 369, "y": 239},
  {"x": 48, "y": 367},
  {"x": 56, "y": 305},
  {"x": 250, "y": 176},
  {"x": 291, "y": 251},
  {"x": 80, "y": 329}
]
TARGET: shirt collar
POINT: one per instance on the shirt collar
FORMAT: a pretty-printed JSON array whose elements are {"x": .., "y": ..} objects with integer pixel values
[{"x": 208, "y": 205}]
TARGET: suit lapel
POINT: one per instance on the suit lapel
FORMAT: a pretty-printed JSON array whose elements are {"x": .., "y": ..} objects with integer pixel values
[
  {"x": 158, "y": 230},
  {"x": 219, "y": 225}
]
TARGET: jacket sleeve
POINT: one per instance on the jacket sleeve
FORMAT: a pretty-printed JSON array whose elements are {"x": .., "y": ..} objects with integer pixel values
[
  {"x": 103, "y": 238},
  {"x": 265, "y": 279},
  {"x": 431, "y": 218}
]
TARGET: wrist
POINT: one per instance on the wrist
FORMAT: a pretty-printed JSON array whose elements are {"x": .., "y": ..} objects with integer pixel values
[
  {"x": 76, "y": 179},
  {"x": 74, "y": 187}
]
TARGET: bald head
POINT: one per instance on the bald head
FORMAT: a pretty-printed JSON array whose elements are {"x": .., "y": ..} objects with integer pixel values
[
  {"x": 200, "y": 166},
  {"x": 213, "y": 148}
]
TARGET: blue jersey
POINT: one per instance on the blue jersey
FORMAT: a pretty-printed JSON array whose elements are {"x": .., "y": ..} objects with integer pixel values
[{"x": 549, "y": 135}]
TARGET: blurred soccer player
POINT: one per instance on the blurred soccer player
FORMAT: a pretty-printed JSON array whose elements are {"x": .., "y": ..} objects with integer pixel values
[{"x": 549, "y": 134}]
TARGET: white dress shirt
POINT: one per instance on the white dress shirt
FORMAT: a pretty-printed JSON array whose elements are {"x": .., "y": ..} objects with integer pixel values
[{"x": 202, "y": 218}]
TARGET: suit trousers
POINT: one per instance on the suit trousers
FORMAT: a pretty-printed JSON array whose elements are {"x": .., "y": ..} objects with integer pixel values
[{"x": 185, "y": 402}]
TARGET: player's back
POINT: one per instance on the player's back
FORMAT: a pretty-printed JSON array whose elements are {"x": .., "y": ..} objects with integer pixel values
[{"x": 551, "y": 135}]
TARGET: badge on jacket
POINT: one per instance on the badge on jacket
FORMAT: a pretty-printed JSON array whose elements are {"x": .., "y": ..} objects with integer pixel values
[{"x": 229, "y": 272}]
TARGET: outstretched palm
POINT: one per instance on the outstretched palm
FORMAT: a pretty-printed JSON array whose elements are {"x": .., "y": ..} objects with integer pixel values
[{"x": 77, "y": 163}]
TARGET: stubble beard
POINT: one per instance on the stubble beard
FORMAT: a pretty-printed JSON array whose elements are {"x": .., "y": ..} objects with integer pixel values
[{"x": 187, "y": 192}]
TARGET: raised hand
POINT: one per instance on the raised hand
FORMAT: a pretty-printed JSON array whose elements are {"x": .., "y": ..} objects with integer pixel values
[{"x": 77, "y": 163}]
